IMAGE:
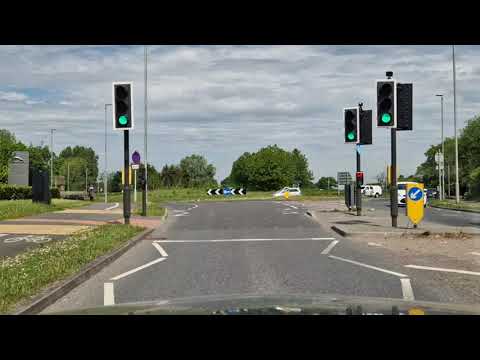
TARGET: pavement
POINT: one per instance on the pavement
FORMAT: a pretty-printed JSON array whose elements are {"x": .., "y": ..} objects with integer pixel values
[
  {"x": 268, "y": 247},
  {"x": 18, "y": 235}
]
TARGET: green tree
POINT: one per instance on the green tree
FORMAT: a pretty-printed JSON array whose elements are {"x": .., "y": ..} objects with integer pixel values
[
  {"x": 325, "y": 182},
  {"x": 270, "y": 168},
  {"x": 79, "y": 160},
  {"x": 8, "y": 144},
  {"x": 196, "y": 171}
]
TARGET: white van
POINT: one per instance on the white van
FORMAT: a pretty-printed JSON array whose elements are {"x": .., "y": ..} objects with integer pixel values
[
  {"x": 372, "y": 190},
  {"x": 402, "y": 193}
]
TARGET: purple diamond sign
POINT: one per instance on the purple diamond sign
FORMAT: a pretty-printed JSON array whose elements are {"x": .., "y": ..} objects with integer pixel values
[{"x": 136, "y": 157}]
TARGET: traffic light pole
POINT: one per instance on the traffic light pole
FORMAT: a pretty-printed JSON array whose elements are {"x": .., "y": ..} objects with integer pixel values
[
  {"x": 126, "y": 183},
  {"x": 393, "y": 187},
  {"x": 358, "y": 187}
]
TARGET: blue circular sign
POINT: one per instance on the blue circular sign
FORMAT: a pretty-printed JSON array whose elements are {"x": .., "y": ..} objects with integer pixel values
[
  {"x": 415, "y": 194},
  {"x": 136, "y": 157}
]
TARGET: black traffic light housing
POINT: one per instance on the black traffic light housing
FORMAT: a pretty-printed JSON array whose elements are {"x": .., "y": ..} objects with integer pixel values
[
  {"x": 404, "y": 106},
  {"x": 122, "y": 106},
  {"x": 365, "y": 127},
  {"x": 351, "y": 118},
  {"x": 387, "y": 103}
]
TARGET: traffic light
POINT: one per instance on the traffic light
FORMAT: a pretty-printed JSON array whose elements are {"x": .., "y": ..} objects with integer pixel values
[
  {"x": 386, "y": 103},
  {"x": 359, "y": 177},
  {"x": 352, "y": 122},
  {"x": 404, "y": 106},
  {"x": 122, "y": 106},
  {"x": 365, "y": 127}
]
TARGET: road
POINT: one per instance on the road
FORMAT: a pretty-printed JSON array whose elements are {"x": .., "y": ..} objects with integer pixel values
[
  {"x": 257, "y": 247},
  {"x": 435, "y": 215},
  {"x": 18, "y": 235}
]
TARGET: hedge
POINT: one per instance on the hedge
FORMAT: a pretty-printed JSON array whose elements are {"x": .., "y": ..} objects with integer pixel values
[{"x": 14, "y": 192}]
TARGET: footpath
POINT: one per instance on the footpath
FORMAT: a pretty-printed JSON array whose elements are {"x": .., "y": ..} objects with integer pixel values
[{"x": 18, "y": 235}]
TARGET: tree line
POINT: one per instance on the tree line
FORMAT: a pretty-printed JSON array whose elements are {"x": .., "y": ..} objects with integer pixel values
[{"x": 468, "y": 161}]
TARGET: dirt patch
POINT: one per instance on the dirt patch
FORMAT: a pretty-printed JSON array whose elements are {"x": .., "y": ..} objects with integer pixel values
[{"x": 457, "y": 245}]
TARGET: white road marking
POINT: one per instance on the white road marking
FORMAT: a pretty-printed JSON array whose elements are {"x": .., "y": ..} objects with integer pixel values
[
  {"x": 407, "y": 290},
  {"x": 178, "y": 210},
  {"x": 160, "y": 249},
  {"x": 473, "y": 253},
  {"x": 290, "y": 213},
  {"x": 108, "y": 294},
  {"x": 443, "y": 270},
  {"x": 241, "y": 240},
  {"x": 329, "y": 247},
  {"x": 113, "y": 207},
  {"x": 368, "y": 266},
  {"x": 293, "y": 207},
  {"x": 374, "y": 244},
  {"x": 183, "y": 214},
  {"x": 118, "y": 277}
]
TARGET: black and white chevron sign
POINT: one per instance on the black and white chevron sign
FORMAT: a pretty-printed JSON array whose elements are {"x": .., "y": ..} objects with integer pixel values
[{"x": 240, "y": 191}]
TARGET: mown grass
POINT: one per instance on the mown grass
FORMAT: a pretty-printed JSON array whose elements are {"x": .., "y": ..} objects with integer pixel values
[
  {"x": 190, "y": 194},
  {"x": 463, "y": 205},
  {"x": 26, "y": 274},
  {"x": 153, "y": 209},
  {"x": 11, "y": 209}
]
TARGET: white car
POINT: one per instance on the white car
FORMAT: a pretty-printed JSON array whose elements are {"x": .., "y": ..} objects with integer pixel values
[
  {"x": 372, "y": 190},
  {"x": 292, "y": 191},
  {"x": 402, "y": 193}
]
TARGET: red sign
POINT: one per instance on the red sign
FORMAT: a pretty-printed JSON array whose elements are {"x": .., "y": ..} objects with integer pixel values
[{"x": 359, "y": 177}]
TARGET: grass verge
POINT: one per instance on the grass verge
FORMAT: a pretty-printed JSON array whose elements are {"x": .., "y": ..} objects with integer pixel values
[
  {"x": 190, "y": 194},
  {"x": 26, "y": 274},
  {"x": 153, "y": 209},
  {"x": 463, "y": 205},
  {"x": 11, "y": 209}
]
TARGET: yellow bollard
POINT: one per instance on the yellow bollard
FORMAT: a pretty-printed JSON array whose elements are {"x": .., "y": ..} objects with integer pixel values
[{"x": 286, "y": 195}]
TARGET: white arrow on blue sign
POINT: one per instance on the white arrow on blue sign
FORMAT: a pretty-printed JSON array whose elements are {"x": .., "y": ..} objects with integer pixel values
[{"x": 415, "y": 194}]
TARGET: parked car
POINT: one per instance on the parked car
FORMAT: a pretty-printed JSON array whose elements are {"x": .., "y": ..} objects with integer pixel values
[
  {"x": 372, "y": 190},
  {"x": 402, "y": 193},
  {"x": 292, "y": 191}
]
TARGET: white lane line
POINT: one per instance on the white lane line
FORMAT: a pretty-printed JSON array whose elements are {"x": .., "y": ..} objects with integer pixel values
[
  {"x": 407, "y": 290},
  {"x": 329, "y": 247},
  {"x": 374, "y": 244},
  {"x": 194, "y": 206},
  {"x": 472, "y": 253},
  {"x": 184, "y": 214},
  {"x": 368, "y": 266},
  {"x": 160, "y": 249},
  {"x": 290, "y": 213},
  {"x": 108, "y": 295},
  {"x": 293, "y": 207},
  {"x": 443, "y": 270},
  {"x": 240, "y": 240},
  {"x": 113, "y": 207},
  {"x": 178, "y": 210},
  {"x": 118, "y": 277}
]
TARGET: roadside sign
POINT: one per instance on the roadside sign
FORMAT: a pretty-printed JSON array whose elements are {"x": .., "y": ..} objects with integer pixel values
[
  {"x": 136, "y": 157},
  {"x": 344, "y": 178},
  {"x": 415, "y": 202},
  {"x": 135, "y": 166}
]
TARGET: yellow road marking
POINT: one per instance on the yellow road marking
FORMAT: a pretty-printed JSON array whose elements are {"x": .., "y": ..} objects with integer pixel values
[{"x": 46, "y": 229}]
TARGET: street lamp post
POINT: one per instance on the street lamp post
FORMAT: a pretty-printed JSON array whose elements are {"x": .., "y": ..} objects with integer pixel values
[
  {"x": 105, "y": 170},
  {"x": 145, "y": 134},
  {"x": 441, "y": 164},
  {"x": 457, "y": 184},
  {"x": 51, "y": 157}
]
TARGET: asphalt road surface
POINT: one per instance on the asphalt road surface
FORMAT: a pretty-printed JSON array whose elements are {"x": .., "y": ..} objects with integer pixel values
[
  {"x": 435, "y": 215},
  {"x": 257, "y": 247}
]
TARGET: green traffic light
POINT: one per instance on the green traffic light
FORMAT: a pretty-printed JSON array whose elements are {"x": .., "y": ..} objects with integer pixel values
[
  {"x": 386, "y": 118},
  {"x": 350, "y": 136},
  {"x": 122, "y": 120}
]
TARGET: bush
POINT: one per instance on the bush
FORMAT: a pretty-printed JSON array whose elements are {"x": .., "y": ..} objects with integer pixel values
[
  {"x": 55, "y": 193},
  {"x": 13, "y": 192}
]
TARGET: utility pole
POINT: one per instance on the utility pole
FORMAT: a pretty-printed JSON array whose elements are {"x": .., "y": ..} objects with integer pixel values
[
  {"x": 442, "y": 164},
  {"x": 457, "y": 184},
  {"x": 358, "y": 204},
  {"x": 448, "y": 178},
  {"x": 86, "y": 179}
]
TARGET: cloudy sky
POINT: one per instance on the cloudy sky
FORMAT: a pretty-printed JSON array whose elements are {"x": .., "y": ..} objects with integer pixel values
[{"x": 220, "y": 101}]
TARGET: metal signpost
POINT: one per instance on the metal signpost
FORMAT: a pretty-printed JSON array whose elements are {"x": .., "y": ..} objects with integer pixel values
[{"x": 135, "y": 167}]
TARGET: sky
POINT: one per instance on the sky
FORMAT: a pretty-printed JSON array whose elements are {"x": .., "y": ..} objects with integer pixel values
[{"x": 221, "y": 101}]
